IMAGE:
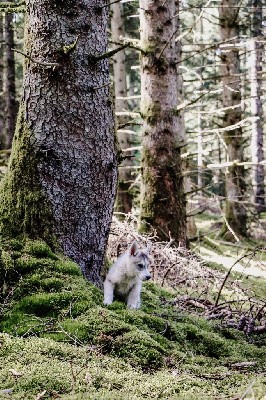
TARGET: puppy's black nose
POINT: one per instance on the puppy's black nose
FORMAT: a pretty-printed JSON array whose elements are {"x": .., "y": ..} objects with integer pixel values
[{"x": 148, "y": 277}]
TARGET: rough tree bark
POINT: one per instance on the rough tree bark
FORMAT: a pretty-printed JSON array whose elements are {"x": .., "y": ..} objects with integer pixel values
[
  {"x": 256, "y": 85},
  {"x": 162, "y": 195},
  {"x": 124, "y": 197},
  {"x": 9, "y": 85},
  {"x": 61, "y": 181},
  {"x": 235, "y": 212}
]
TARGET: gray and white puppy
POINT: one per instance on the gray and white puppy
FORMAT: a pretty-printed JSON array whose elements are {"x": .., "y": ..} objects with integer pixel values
[{"x": 126, "y": 275}]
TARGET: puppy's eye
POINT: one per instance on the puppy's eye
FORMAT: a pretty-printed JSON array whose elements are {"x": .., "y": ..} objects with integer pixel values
[{"x": 140, "y": 266}]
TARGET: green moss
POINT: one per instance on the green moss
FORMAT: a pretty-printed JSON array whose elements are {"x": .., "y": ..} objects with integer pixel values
[
  {"x": 44, "y": 304},
  {"x": 43, "y": 286},
  {"x": 73, "y": 372},
  {"x": 21, "y": 193},
  {"x": 67, "y": 267},
  {"x": 159, "y": 329},
  {"x": 39, "y": 249},
  {"x": 207, "y": 343},
  {"x": 35, "y": 283},
  {"x": 151, "y": 112},
  {"x": 6, "y": 260},
  {"x": 139, "y": 349},
  {"x": 69, "y": 47},
  {"x": 180, "y": 354},
  {"x": 157, "y": 211},
  {"x": 27, "y": 264}
]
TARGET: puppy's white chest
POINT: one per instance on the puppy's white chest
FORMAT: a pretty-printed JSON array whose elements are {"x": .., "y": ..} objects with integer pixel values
[{"x": 124, "y": 287}]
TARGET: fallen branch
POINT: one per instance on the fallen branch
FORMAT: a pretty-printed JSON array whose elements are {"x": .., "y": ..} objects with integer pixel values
[{"x": 260, "y": 329}]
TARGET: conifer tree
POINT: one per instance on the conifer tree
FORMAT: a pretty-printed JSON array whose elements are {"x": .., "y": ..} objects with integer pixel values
[
  {"x": 256, "y": 85},
  {"x": 124, "y": 197},
  {"x": 60, "y": 185},
  {"x": 162, "y": 193},
  {"x": 235, "y": 212}
]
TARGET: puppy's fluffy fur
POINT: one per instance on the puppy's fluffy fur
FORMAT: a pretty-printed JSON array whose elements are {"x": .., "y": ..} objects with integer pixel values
[{"x": 126, "y": 275}]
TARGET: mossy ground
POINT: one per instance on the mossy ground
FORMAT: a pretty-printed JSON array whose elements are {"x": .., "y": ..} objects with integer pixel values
[
  {"x": 81, "y": 372},
  {"x": 59, "y": 338}
]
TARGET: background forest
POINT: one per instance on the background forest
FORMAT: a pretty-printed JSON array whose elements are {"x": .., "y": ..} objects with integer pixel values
[{"x": 123, "y": 120}]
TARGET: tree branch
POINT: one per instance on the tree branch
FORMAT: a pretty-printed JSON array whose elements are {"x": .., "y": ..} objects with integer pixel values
[
  {"x": 108, "y": 54},
  {"x": 10, "y": 7},
  {"x": 42, "y": 63},
  {"x": 109, "y": 4},
  {"x": 129, "y": 41}
]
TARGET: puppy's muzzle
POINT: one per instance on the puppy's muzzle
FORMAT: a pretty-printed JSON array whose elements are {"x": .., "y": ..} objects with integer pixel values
[{"x": 147, "y": 277}]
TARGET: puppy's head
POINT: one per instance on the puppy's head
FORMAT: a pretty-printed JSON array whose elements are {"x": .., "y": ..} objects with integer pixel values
[{"x": 140, "y": 261}]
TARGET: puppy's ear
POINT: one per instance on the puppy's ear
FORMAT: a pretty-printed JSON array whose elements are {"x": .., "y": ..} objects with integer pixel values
[{"x": 133, "y": 248}]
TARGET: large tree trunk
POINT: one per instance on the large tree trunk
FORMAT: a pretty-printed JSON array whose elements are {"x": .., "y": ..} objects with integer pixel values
[
  {"x": 9, "y": 86},
  {"x": 256, "y": 57},
  {"x": 162, "y": 195},
  {"x": 62, "y": 176},
  {"x": 124, "y": 197},
  {"x": 235, "y": 212}
]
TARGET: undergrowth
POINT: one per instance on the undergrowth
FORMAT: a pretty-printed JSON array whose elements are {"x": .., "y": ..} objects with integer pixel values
[{"x": 58, "y": 339}]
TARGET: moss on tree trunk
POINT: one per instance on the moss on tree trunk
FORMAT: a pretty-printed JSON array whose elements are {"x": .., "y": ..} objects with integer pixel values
[{"x": 24, "y": 208}]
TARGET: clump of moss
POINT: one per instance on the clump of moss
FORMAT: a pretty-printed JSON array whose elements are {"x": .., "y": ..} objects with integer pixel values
[
  {"x": 139, "y": 349},
  {"x": 39, "y": 249}
]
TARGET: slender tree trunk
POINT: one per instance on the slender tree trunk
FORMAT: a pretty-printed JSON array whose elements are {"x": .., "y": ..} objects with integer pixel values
[
  {"x": 200, "y": 153},
  {"x": 256, "y": 57},
  {"x": 199, "y": 108},
  {"x": 61, "y": 181},
  {"x": 1, "y": 85},
  {"x": 119, "y": 59},
  {"x": 123, "y": 198},
  {"x": 191, "y": 228},
  {"x": 162, "y": 194},
  {"x": 235, "y": 212},
  {"x": 9, "y": 86}
]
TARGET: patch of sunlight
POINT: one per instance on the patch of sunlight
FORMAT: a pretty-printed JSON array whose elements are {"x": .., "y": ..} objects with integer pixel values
[{"x": 253, "y": 268}]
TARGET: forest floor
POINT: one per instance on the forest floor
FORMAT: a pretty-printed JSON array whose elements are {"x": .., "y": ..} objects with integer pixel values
[
  {"x": 199, "y": 332},
  {"x": 252, "y": 267},
  {"x": 248, "y": 257}
]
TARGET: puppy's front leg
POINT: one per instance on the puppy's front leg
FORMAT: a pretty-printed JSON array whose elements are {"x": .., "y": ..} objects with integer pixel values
[
  {"x": 133, "y": 300},
  {"x": 108, "y": 288}
]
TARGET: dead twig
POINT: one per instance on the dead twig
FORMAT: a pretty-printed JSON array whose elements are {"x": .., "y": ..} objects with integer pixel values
[
  {"x": 227, "y": 275},
  {"x": 42, "y": 63}
]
